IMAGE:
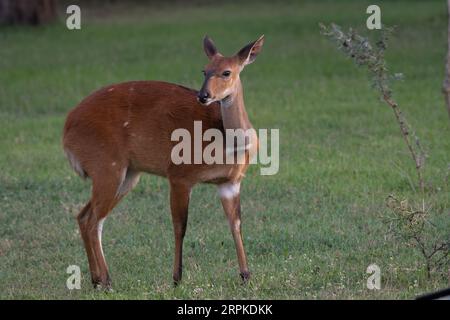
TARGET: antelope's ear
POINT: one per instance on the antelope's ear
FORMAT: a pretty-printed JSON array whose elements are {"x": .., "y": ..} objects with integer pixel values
[
  {"x": 248, "y": 53},
  {"x": 209, "y": 47}
]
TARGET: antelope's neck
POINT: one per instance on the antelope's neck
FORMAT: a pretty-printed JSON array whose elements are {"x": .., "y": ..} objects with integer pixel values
[{"x": 233, "y": 111}]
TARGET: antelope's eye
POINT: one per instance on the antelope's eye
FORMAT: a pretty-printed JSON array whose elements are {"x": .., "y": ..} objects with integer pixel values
[{"x": 226, "y": 73}]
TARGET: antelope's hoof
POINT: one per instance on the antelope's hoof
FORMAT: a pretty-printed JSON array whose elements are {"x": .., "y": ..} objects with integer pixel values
[
  {"x": 176, "y": 281},
  {"x": 245, "y": 276},
  {"x": 105, "y": 287},
  {"x": 176, "y": 278}
]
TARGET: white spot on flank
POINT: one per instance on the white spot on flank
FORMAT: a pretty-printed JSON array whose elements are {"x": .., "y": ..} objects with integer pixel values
[
  {"x": 229, "y": 190},
  {"x": 113, "y": 164},
  {"x": 125, "y": 124},
  {"x": 110, "y": 89}
]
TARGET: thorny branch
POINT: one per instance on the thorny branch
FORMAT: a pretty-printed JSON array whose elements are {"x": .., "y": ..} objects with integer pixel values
[
  {"x": 410, "y": 224},
  {"x": 363, "y": 53}
]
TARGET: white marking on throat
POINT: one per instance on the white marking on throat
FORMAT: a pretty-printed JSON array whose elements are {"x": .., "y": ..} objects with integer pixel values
[{"x": 229, "y": 190}]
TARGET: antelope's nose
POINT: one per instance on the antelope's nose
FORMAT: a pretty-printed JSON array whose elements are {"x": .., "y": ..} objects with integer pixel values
[{"x": 203, "y": 96}]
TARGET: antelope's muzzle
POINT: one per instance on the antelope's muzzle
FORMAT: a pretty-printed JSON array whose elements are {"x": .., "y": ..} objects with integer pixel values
[{"x": 203, "y": 96}]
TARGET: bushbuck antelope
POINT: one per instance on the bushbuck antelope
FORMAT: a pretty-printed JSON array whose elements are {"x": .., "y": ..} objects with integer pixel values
[{"x": 124, "y": 129}]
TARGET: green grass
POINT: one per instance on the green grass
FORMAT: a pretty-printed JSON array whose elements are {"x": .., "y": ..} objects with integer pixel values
[{"x": 310, "y": 231}]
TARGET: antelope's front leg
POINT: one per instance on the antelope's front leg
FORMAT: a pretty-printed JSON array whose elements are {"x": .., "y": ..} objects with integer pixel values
[
  {"x": 230, "y": 197},
  {"x": 179, "y": 203}
]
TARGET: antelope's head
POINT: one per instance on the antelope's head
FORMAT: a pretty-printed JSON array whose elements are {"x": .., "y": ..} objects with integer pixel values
[{"x": 222, "y": 73}]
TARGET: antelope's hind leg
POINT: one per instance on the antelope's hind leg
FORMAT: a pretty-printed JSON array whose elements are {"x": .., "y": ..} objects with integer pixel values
[{"x": 108, "y": 188}]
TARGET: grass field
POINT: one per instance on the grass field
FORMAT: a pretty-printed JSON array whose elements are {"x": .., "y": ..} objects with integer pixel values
[{"x": 310, "y": 231}]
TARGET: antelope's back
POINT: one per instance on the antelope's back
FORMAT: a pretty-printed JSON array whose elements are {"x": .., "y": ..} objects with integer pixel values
[{"x": 131, "y": 124}]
